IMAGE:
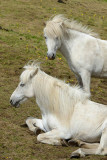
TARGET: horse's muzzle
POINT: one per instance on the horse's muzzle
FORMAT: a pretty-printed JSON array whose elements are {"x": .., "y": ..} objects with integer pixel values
[
  {"x": 16, "y": 104},
  {"x": 51, "y": 57},
  {"x": 11, "y": 102}
]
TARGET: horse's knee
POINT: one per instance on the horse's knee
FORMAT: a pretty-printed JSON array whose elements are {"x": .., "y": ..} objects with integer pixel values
[
  {"x": 45, "y": 139},
  {"x": 101, "y": 151},
  {"x": 29, "y": 120},
  {"x": 39, "y": 138}
]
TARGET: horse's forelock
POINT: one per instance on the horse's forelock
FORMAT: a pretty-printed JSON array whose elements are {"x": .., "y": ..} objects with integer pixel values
[
  {"x": 29, "y": 70},
  {"x": 57, "y": 27},
  {"x": 53, "y": 29}
]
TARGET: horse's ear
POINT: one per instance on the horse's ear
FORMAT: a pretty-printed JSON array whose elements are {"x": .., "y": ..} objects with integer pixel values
[{"x": 33, "y": 73}]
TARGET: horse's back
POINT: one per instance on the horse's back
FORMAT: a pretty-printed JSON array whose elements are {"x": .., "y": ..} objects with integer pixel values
[{"x": 91, "y": 110}]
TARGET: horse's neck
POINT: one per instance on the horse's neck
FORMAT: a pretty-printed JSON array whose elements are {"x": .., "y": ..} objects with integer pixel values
[
  {"x": 67, "y": 45},
  {"x": 46, "y": 90},
  {"x": 54, "y": 97},
  {"x": 41, "y": 84}
]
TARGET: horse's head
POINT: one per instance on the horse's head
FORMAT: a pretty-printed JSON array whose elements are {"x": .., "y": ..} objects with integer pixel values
[
  {"x": 53, "y": 33},
  {"x": 25, "y": 87},
  {"x": 53, "y": 44}
]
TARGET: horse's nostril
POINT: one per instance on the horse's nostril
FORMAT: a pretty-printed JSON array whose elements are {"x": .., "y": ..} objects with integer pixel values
[
  {"x": 53, "y": 55},
  {"x": 11, "y": 102}
]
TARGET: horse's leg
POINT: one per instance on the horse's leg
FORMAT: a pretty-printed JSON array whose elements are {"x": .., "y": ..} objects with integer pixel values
[
  {"x": 79, "y": 143},
  {"x": 100, "y": 149},
  {"x": 88, "y": 149},
  {"x": 82, "y": 152},
  {"x": 35, "y": 125},
  {"x": 86, "y": 76},
  {"x": 78, "y": 77},
  {"x": 51, "y": 137},
  {"x": 89, "y": 145}
]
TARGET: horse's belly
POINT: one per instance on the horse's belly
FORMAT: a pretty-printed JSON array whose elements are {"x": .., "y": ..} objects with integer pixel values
[
  {"x": 85, "y": 133},
  {"x": 88, "y": 136}
]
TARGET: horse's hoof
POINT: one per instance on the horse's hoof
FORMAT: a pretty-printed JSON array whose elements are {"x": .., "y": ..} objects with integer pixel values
[
  {"x": 37, "y": 131},
  {"x": 24, "y": 125},
  {"x": 75, "y": 155},
  {"x": 72, "y": 143}
]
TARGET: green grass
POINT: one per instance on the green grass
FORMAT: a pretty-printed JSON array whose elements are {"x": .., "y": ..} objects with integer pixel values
[{"x": 21, "y": 39}]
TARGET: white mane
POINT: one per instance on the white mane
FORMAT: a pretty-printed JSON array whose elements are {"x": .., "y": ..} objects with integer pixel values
[
  {"x": 52, "y": 93},
  {"x": 30, "y": 68},
  {"x": 59, "y": 25}
]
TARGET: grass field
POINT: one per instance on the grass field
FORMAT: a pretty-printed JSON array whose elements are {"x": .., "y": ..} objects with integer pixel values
[{"x": 21, "y": 39}]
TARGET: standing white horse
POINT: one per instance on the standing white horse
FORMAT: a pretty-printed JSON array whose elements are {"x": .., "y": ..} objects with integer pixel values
[
  {"x": 85, "y": 53},
  {"x": 67, "y": 112}
]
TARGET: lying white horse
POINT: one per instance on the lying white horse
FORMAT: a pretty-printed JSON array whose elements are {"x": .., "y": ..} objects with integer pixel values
[
  {"x": 67, "y": 112},
  {"x": 85, "y": 53}
]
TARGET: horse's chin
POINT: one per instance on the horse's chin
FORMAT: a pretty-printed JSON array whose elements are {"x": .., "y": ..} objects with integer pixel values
[
  {"x": 17, "y": 104},
  {"x": 51, "y": 58}
]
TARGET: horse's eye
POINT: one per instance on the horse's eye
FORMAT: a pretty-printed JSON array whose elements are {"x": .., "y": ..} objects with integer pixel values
[{"x": 22, "y": 85}]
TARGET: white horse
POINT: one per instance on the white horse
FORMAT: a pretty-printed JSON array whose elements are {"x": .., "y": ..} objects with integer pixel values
[
  {"x": 85, "y": 53},
  {"x": 67, "y": 112}
]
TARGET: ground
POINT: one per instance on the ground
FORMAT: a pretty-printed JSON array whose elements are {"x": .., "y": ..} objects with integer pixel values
[{"x": 21, "y": 39}]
